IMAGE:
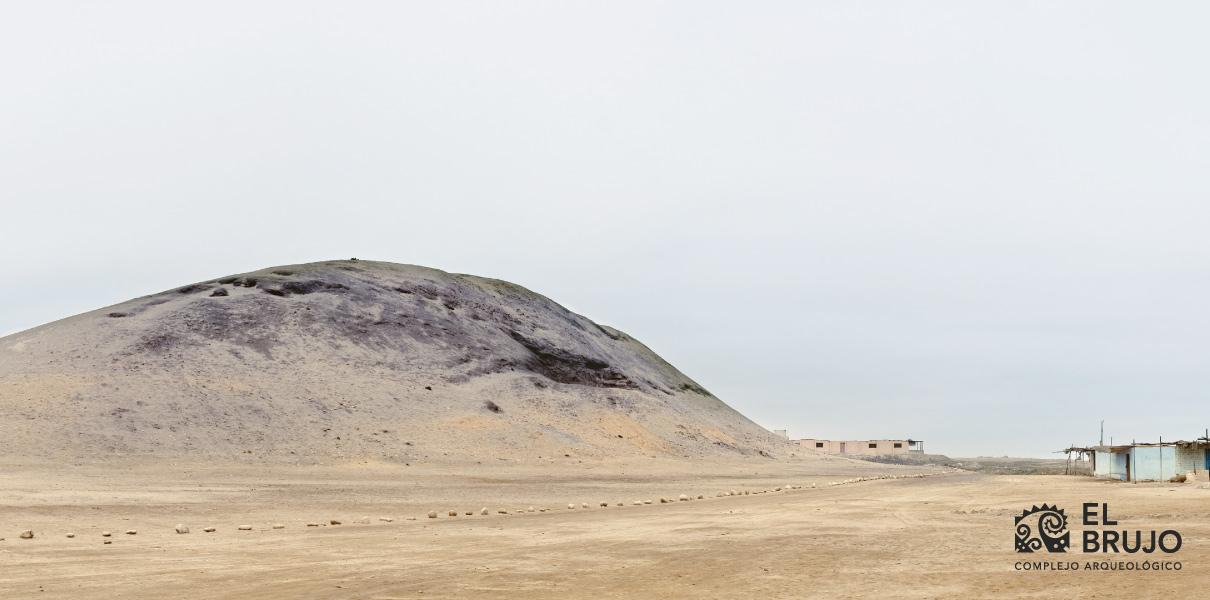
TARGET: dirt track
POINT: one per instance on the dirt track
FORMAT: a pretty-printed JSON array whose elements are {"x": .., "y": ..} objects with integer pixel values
[{"x": 942, "y": 536}]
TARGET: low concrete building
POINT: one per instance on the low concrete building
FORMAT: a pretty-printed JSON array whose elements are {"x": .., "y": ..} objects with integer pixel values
[
  {"x": 863, "y": 447},
  {"x": 1159, "y": 461}
]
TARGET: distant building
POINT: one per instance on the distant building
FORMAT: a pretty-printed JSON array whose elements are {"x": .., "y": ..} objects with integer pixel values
[
  {"x": 1159, "y": 461},
  {"x": 864, "y": 447}
]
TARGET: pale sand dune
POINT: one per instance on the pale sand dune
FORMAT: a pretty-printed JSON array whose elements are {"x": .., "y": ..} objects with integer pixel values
[{"x": 348, "y": 360}]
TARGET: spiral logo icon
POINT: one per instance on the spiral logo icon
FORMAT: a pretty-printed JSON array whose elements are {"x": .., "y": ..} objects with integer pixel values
[{"x": 1042, "y": 528}]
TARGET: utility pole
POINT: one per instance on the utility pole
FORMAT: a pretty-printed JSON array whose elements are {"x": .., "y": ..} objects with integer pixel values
[{"x": 1102, "y": 432}]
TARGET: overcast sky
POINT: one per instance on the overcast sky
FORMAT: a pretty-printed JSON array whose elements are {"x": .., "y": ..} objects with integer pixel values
[{"x": 981, "y": 224}]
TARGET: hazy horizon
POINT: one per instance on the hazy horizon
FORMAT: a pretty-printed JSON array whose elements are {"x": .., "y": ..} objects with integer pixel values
[{"x": 979, "y": 225}]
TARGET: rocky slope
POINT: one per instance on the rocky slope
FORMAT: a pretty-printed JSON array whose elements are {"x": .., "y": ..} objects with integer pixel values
[{"x": 353, "y": 359}]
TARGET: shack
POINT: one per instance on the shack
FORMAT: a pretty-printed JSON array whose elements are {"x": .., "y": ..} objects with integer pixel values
[{"x": 1152, "y": 461}]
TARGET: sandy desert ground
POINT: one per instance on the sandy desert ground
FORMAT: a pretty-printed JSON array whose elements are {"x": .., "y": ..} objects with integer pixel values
[{"x": 945, "y": 535}]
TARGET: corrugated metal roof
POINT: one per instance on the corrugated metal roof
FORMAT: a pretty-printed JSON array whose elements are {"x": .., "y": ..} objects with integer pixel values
[{"x": 1121, "y": 447}]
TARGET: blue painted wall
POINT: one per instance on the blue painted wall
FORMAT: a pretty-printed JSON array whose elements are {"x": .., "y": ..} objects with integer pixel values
[
  {"x": 1152, "y": 464},
  {"x": 1111, "y": 465}
]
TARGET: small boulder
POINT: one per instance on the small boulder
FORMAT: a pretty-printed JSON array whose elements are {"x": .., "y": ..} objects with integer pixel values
[
  {"x": 604, "y": 505},
  {"x": 386, "y": 519},
  {"x": 278, "y": 526},
  {"x": 132, "y": 532},
  {"x": 570, "y": 506},
  {"x": 333, "y": 522},
  {"x": 483, "y": 511},
  {"x": 453, "y": 513},
  {"x": 432, "y": 514},
  {"x": 71, "y": 535},
  {"x": 105, "y": 534},
  {"x": 208, "y": 529},
  {"x": 182, "y": 529},
  {"x": 28, "y": 534},
  {"x": 683, "y": 498}
]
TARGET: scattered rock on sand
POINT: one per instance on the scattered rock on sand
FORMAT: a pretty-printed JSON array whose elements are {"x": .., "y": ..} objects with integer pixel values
[
  {"x": 27, "y": 534},
  {"x": 683, "y": 498},
  {"x": 105, "y": 534},
  {"x": 278, "y": 526},
  {"x": 244, "y": 528},
  {"x": 432, "y": 514},
  {"x": 312, "y": 524},
  {"x": 71, "y": 535},
  {"x": 570, "y": 506},
  {"x": 182, "y": 529},
  {"x": 132, "y": 532},
  {"x": 386, "y": 519},
  {"x": 604, "y": 505},
  {"x": 483, "y": 511},
  {"x": 364, "y": 520},
  {"x": 453, "y": 513},
  {"x": 208, "y": 529},
  {"x": 333, "y": 522}
]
